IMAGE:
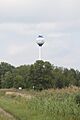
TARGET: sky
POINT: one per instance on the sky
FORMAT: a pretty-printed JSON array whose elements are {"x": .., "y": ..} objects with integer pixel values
[{"x": 21, "y": 21}]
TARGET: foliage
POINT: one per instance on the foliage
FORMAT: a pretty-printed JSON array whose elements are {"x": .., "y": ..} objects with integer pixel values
[
  {"x": 41, "y": 75},
  {"x": 5, "y": 117},
  {"x": 77, "y": 98},
  {"x": 45, "y": 105},
  {"x": 38, "y": 76}
]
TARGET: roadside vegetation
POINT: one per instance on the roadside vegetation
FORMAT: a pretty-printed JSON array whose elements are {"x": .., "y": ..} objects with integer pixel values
[
  {"x": 5, "y": 116},
  {"x": 46, "y": 105}
]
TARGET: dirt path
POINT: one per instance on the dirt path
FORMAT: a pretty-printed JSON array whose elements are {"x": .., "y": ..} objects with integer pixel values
[
  {"x": 8, "y": 115},
  {"x": 19, "y": 94}
]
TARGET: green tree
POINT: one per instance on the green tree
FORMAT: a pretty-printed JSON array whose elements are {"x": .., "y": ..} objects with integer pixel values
[
  {"x": 4, "y": 68},
  {"x": 77, "y": 83},
  {"x": 23, "y": 71},
  {"x": 41, "y": 75},
  {"x": 7, "y": 80},
  {"x": 58, "y": 77},
  {"x": 18, "y": 81}
]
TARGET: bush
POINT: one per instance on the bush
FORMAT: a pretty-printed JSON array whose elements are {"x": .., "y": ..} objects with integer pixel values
[{"x": 77, "y": 98}]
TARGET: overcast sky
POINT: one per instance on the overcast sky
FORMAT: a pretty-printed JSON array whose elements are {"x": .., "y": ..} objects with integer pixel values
[{"x": 21, "y": 21}]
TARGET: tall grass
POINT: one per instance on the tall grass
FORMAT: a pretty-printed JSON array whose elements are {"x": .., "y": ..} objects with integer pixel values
[
  {"x": 5, "y": 117},
  {"x": 44, "y": 106}
]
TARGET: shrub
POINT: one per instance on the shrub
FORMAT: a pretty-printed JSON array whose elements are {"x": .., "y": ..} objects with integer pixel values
[{"x": 77, "y": 98}]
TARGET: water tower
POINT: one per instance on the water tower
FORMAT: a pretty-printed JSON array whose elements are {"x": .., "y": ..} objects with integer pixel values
[{"x": 40, "y": 41}]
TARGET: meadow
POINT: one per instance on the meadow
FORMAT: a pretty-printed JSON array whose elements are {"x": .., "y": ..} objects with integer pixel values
[{"x": 59, "y": 104}]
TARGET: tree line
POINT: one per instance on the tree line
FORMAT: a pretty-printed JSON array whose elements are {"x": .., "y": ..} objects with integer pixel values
[{"x": 38, "y": 76}]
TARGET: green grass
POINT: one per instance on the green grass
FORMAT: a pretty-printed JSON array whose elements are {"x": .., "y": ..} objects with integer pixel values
[
  {"x": 44, "y": 106},
  {"x": 5, "y": 117}
]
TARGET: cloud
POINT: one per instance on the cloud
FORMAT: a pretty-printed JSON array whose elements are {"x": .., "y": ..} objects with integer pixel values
[
  {"x": 14, "y": 50},
  {"x": 38, "y": 10}
]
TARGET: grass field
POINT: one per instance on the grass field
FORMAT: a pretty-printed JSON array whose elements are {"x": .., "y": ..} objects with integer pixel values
[
  {"x": 45, "y": 105},
  {"x": 5, "y": 116}
]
